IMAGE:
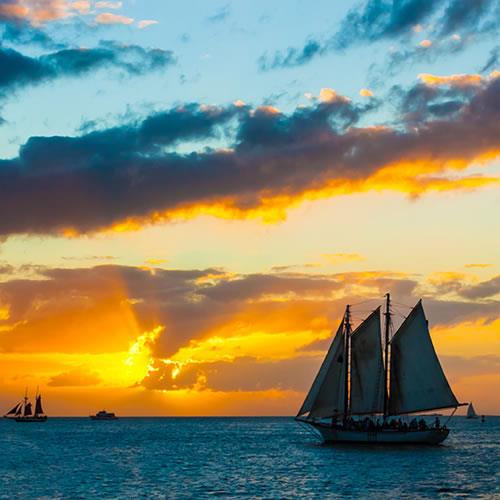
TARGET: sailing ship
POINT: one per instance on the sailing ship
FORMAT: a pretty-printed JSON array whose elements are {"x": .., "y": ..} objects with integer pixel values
[
  {"x": 22, "y": 412},
  {"x": 364, "y": 386},
  {"x": 471, "y": 412}
]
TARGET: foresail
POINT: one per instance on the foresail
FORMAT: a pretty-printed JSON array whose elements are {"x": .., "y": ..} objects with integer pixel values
[
  {"x": 367, "y": 367},
  {"x": 417, "y": 381},
  {"x": 14, "y": 410},
  {"x": 326, "y": 396}
]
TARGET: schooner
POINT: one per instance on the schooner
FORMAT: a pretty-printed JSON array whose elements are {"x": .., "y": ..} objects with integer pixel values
[
  {"x": 364, "y": 384},
  {"x": 22, "y": 412}
]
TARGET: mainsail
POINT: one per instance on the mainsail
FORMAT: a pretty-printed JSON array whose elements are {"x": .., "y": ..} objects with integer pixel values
[
  {"x": 38, "y": 406},
  {"x": 326, "y": 396},
  {"x": 27, "y": 409},
  {"x": 417, "y": 381},
  {"x": 367, "y": 367}
]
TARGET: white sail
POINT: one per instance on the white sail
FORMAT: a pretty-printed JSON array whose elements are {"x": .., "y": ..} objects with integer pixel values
[
  {"x": 326, "y": 396},
  {"x": 417, "y": 381},
  {"x": 471, "y": 413},
  {"x": 367, "y": 367}
]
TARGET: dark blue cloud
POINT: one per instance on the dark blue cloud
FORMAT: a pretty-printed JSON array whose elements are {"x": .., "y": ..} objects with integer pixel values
[
  {"x": 376, "y": 20},
  {"x": 18, "y": 70},
  {"x": 423, "y": 103},
  {"x": 22, "y": 33},
  {"x": 100, "y": 178},
  {"x": 220, "y": 15}
]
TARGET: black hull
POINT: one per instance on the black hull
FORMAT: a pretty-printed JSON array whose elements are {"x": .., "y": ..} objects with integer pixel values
[
  {"x": 333, "y": 435},
  {"x": 31, "y": 419}
]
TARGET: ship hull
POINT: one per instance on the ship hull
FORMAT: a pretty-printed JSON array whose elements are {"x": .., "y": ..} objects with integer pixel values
[
  {"x": 31, "y": 419},
  {"x": 333, "y": 435}
]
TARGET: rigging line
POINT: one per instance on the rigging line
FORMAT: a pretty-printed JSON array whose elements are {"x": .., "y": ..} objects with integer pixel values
[
  {"x": 401, "y": 304},
  {"x": 449, "y": 418},
  {"x": 364, "y": 302},
  {"x": 312, "y": 431},
  {"x": 397, "y": 311}
]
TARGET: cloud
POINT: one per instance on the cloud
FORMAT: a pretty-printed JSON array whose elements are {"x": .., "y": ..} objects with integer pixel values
[
  {"x": 478, "y": 266},
  {"x": 145, "y": 23},
  {"x": 210, "y": 330},
  {"x": 240, "y": 374},
  {"x": 108, "y": 5},
  {"x": 220, "y": 15},
  {"x": 459, "y": 367},
  {"x": 22, "y": 33},
  {"x": 492, "y": 61},
  {"x": 482, "y": 290},
  {"x": 82, "y": 6},
  {"x": 39, "y": 12},
  {"x": 337, "y": 258},
  {"x": 75, "y": 378},
  {"x": 376, "y": 20},
  {"x": 105, "y": 309},
  {"x": 132, "y": 174},
  {"x": 461, "y": 80},
  {"x": 292, "y": 56},
  {"x": 438, "y": 97},
  {"x": 111, "y": 18},
  {"x": 19, "y": 70}
]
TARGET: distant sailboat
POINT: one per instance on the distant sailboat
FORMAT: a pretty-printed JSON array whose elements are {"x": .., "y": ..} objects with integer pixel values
[
  {"x": 359, "y": 379},
  {"x": 471, "y": 413},
  {"x": 22, "y": 412}
]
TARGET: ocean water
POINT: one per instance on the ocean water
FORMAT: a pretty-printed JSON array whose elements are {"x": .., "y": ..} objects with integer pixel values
[{"x": 236, "y": 457}]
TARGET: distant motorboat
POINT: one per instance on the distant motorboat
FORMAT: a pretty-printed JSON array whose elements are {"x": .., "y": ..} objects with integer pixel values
[
  {"x": 103, "y": 415},
  {"x": 22, "y": 412},
  {"x": 471, "y": 413}
]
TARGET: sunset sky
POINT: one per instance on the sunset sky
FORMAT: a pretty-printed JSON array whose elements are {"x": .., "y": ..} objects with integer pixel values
[{"x": 191, "y": 192}]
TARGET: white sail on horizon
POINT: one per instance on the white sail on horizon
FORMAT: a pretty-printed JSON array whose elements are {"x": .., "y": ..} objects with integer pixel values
[
  {"x": 471, "y": 412},
  {"x": 417, "y": 381},
  {"x": 367, "y": 367},
  {"x": 326, "y": 396}
]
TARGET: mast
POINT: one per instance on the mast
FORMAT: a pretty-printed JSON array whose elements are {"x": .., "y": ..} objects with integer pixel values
[
  {"x": 387, "y": 315},
  {"x": 25, "y": 399},
  {"x": 347, "y": 333}
]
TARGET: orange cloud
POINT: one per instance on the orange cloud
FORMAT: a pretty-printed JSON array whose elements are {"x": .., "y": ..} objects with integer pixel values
[
  {"x": 108, "y": 5},
  {"x": 110, "y": 18},
  {"x": 145, "y": 23},
  {"x": 478, "y": 266},
  {"x": 338, "y": 258},
  {"x": 330, "y": 95},
  {"x": 82, "y": 6},
  {"x": 413, "y": 177},
  {"x": 462, "y": 80},
  {"x": 84, "y": 334},
  {"x": 38, "y": 12},
  {"x": 425, "y": 44}
]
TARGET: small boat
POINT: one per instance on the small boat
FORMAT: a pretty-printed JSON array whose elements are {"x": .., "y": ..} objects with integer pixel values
[
  {"x": 365, "y": 391},
  {"x": 22, "y": 412},
  {"x": 471, "y": 412},
  {"x": 103, "y": 415}
]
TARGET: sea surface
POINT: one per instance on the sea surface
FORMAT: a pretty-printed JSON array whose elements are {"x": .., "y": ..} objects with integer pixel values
[{"x": 236, "y": 457}]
